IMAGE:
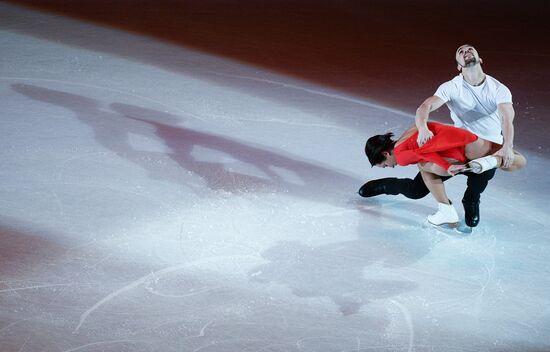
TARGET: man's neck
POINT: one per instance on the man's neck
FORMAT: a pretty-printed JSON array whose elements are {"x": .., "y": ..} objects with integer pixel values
[{"x": 473, "y": 75}]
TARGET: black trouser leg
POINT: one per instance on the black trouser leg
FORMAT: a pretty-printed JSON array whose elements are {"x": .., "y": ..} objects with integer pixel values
[
  {"x": 476, "y": 185},
  {"x": 413, "y": 189},
  {"x": 410, "y": 188}
]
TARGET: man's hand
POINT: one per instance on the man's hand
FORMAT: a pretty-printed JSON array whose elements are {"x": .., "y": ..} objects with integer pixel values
[
  {"x": 424, "y": 135},
  {"x": 421, "y": 118},
  {"x": 507, "y": 155},
  {"x": 455, "y": 169}
]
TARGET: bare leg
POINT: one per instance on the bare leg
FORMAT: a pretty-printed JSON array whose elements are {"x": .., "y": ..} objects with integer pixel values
[
  {"x": 436, "y": 169},
  {"x": 482, "y": 147},
  {"x": 478, "y": 149},
  {"x": 446, "y": 213},
  {"x": 518, "y": 163},
  {"x": 435, "y": 185}
]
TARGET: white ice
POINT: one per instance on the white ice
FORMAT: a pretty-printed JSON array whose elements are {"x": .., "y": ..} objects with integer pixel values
[{"x": 196, "y": 203}]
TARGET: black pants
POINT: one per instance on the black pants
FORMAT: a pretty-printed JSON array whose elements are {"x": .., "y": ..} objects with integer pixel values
[{"x": 416, "y": 189}]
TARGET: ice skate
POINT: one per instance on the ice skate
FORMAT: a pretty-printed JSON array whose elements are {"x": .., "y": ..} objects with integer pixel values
[
  {"x": 477, "y": 166},
  {"x": 376, "y": 187},
  {"x": 446, "y": 215}
]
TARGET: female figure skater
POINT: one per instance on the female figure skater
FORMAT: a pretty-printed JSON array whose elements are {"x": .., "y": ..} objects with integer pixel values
[{"x": 450, "y": 151}]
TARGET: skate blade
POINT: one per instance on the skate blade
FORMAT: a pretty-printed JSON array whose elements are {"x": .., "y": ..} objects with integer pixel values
[
  {"x": 454, "y": 229},
  {"x": 446, "y": 225},
  {"x": 463, "y": 228}
]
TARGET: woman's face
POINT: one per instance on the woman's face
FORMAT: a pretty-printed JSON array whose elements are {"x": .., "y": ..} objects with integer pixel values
[{"x": 390, "y": 160}]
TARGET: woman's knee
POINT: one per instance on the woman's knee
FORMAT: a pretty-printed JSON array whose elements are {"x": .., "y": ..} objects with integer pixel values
[
  {"x": 477, "y": 149},
  {"x": 433, "y": 169}
]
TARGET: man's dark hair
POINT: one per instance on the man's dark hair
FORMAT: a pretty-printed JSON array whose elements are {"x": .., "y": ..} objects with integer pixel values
[{"x": 378, "y": 144}]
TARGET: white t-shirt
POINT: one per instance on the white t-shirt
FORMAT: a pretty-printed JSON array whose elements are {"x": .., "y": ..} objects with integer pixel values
[{"x": 475, "y": 108}]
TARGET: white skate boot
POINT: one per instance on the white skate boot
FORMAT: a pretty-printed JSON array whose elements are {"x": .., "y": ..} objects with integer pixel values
[
  {"x": 446, "y": 215},
  {"x": 480, "y": 165}
]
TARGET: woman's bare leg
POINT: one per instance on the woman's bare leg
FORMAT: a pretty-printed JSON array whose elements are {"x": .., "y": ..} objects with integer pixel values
[
  {"x": 433, "y": 168},
  {"x": 518, "y": 163},
  {"x": 482, "y": 147},
  {"x": 446, "y": 213},
  {"x": 478, "y": 149},
  {"x": 435, "y": 184}
]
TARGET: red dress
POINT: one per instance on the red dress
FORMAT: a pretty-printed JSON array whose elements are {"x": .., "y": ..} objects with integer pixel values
[{"x": 447, "y": 142}]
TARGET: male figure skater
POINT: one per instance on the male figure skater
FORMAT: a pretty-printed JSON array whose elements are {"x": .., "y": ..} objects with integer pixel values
[{"x": 478, "y": 103}]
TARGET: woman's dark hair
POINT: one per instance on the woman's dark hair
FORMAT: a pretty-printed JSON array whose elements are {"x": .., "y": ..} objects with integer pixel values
[{"x": 378, "y": 144}]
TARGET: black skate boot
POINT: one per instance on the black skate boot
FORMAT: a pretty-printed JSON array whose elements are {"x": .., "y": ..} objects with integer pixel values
[
  {"x": 376, "y": 187},
  {"x": 471, "y": 212}
]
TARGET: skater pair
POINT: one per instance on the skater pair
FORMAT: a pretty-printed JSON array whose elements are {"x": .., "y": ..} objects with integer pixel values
[
  {"x": 478, "y": 103},
  {"x": 450, "y": 150}
]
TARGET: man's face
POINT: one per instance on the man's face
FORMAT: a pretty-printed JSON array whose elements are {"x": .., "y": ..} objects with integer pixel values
[{"x": 467, "y": 56}]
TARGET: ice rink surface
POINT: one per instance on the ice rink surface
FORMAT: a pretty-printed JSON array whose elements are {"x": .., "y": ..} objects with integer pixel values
[{"x": 156, "y": 197}]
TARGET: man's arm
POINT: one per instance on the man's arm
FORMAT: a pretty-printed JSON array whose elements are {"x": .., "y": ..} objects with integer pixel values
[
  {"x": 506, "y": 111},
  {"x": 422, "y": 115}
]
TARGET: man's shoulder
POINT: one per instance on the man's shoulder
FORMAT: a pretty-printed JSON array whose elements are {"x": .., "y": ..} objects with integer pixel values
[
  {"x": 450, "y": 87},
  {"x": 501, "y": 93},
  {"x": 456, "y": 80},
  {"x": 494, "y": 82}
]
